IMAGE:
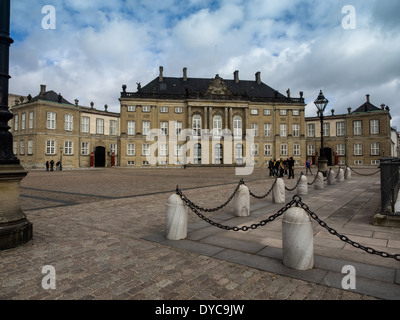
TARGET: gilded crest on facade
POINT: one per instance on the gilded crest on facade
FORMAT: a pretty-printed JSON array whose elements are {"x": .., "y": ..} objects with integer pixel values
[{"x": 218, "y": 87}]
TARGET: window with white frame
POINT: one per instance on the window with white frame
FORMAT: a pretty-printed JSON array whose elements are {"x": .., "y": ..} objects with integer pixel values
[
  {"x": 254, "y": 112},
  {"x": 146, "y": 128},
  {"x": 85, "y": 124},
  {"x": 374, "y": 126},
  {"x": 131, "y": 108},
  {"x": 340, "y": 149},
  {"x": 178, "y": 150},
  {"x": 267, "y": 112},
  {"x": 254, "y": 129},
  {"x": 284, "y": 150},
  {"x": 69, "y": 120},
  {"x": 296, "y": 149},
  {"x": 16, "y": 122},
  {"x": 131, "y": 163},
  {"x": 100, "y": 126},
  {"x": 283, "y": 130},
  {"x": 30, "y": 147},
  {"x": 375, "y": 162},
  {"x": 197, "y": 153},
  {"x": 358, "y": 149},
  {"x": 145, "y": 149},
  {"x": 310, "y": 149},
  {"x": 178, "y": 128},
  {"x": 217, "y": 126},
  {"x": 68, "y": 150},
  {"x": 85, "y": 148},
  {"x": 197, "y": 125},
  {"x": 50, "y": 147},
  {"x": 357, "y": 127},
  {"x": 164, "y": 128},
  {"x": 311, "y": 130},
  {"x": 254, "y": 150},
  {"x": 283, "y": 112},
  {"x": 239, "y": 153},
  {"x": 267, "y": 129},
  {"x": 164, "y": 109},
  {"x": 237, "y": 126},
  {"x": 51, "y": 120},
  {"x": 113, "y": 148},
  {"x": 31, "y": 119},
  {"x": 296, "y": 112},
  {"x": 146, "y": 108},
  {"x": 218, "y": 156},
  {"x": 296, "y": 130},
  {"x": 267, "y": 150},
  {"x": 15, "y": 147},
  {"x": 340, "y": 129},
  {"x": 22, "y": 147},
  {"x": 23, "y": 121},
  {"x": 178, "y": 110},
  {"x": 163, "y": 150},
  {"x": 327, "y": 129},
  {"x": 131, "y": 128},
  {"x": 358, "y": 162},
  {"x": 130, "y": 149},
  {"x": 375, "y": 149},
  {"x": 113, "y": 127}
]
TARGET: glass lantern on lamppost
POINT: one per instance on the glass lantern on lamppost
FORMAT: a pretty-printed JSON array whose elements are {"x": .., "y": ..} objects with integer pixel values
[{"x": 321, "y": 102}]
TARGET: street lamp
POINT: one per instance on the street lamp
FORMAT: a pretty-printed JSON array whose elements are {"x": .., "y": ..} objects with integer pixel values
[{"x": 321, "y": 102}]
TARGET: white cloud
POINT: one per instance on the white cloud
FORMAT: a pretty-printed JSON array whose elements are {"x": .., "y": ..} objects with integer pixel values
[{"x": 297, "y": 44}]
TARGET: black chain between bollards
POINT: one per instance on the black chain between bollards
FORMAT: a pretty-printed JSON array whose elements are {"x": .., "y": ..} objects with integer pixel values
[
  {"x": 265, "y": 195},
  {"x": 343, "y": 237},
  {"x": 190, "y": 204},
  {"x": 297, "y": 183},
  {"x": 364, "y": 174}
]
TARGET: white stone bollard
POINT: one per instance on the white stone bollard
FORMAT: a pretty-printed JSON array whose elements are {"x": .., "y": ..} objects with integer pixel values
[
  {"x": 340, "y": 176},
  {"x": 297, "y": 239},
  {"x": 347, "y": 173},
  {"x": 241, "y": 202},
  {"x": 176, "y": 219},
  {"x": 319, "y": 182},
  {"x": 331, "y": 177},
  {"x": 278, "y": 192},
  {"x": 302, "y": 187}
]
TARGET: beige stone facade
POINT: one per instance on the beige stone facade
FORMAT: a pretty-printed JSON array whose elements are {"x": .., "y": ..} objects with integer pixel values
[
  {"x": 209, "y": 122},
  {"x": 48, "y": 127},
  {"x": 358, "y": 138}
]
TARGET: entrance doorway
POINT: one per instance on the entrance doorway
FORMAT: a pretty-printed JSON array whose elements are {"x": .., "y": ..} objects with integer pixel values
[{"x": 100, "y": 157}]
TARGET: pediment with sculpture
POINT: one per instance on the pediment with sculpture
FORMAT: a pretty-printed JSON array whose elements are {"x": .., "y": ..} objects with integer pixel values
[{"x": 218, "y": 87}]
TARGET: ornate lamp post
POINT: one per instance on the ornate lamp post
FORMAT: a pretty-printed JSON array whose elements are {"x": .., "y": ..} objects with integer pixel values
[
  {"x": 321, "y": 102},
  {"x": 15, "y": 229}
]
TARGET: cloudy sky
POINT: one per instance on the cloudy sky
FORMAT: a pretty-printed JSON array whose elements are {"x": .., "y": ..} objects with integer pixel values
[{"x": 346, "y": 48}]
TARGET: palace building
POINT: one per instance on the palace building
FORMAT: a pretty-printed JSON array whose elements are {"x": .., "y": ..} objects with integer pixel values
[
  {"x": 210, "y": 122},
  {"x": 360, "y": 137},
  {"x": 48, "y": 127}
]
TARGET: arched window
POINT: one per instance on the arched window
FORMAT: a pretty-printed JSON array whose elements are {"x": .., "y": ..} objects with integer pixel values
[
  {"x": 218, "y": 154},
  {"x": 197, "y": 153},
  {"x": 237, "y": 126},
  {"x": 197, "y": 125},
  {"x": 217, "y": 128},
  {"x": 239, "y": 153}
]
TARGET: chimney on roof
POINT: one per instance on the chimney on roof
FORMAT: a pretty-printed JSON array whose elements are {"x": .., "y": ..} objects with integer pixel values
[
  {"x": 42, "y": 89},
  {"x": 161, "y": 77},
  {"x": 185, "y": 74},
  {"x": 236, "y": 76},
  {"x": 258, "y": 77},
  {"x": 368, "y": 98}
]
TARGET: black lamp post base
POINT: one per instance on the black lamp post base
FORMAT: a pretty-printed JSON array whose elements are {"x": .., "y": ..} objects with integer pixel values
[{"x": 15, "y": 228}]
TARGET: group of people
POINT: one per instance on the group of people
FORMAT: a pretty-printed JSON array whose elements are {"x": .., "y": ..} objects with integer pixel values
[
  {"x": 281, "y": 167},
  {"x": 50, "y": 165},
  {"x": 285, "y": 167}
]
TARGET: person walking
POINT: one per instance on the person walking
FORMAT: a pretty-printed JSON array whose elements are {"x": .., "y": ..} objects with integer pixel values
[
  {"x": 47, "y": 166},
  {"x": 271, "y": 168},
  {"x": 291, "y": 168},
  {"x": 308, "y": 167}
]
